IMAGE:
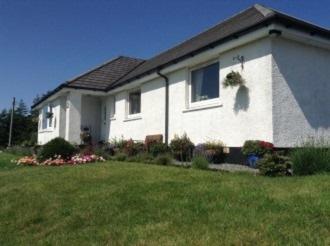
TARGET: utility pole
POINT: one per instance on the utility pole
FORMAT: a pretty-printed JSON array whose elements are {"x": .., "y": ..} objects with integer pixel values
[{"x": 11, "y": 123}]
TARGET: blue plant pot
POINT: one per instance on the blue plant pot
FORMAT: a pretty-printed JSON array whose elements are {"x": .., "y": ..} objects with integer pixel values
[{"x": 252, "y": 160}]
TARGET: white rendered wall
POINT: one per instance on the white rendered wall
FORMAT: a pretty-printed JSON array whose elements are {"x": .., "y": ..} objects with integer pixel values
[
  {"x": 150, "y": 121},
  {"x": 73, "y": 117},
  {"x": 244, "y": 113},
  {"x": 45, "y": 135},
  {"x": 301, "y": 92}
]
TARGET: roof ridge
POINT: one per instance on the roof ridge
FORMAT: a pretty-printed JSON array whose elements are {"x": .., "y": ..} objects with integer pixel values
[
  {"x": 205, "y": 30},
  {"x": 265, "y": 11}
]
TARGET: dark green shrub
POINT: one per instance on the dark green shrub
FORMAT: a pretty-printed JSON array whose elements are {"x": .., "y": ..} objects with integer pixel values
[
  {"x": 182, "y": 148},
  {"x": 145, "y": 158},
  {"x": 158, "y": 149},
  {"x": 274, "y": 165},
  {"x": 102, "y": 151},
  {"x": 120, "y": 157},
  {"x": 257, "y": 147},
  {"x": 164, "y": 159},
  {"x": 200, "y": 162},
  {"x": 133, "y": 148},
  {"x": 56, "y": 147},
  {"x": 311, "y": 158}
]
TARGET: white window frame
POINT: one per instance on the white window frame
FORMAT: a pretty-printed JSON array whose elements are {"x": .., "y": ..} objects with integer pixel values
[
  {"x": 204, "y": 103},
  {"x": 113, "y": 107},
  {"x": 137, "y": 115},
  {"x": 43, "y": 117}
]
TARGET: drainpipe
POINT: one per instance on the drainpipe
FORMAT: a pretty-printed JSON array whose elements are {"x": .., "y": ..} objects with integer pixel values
[{"x": 166, "y": 104}]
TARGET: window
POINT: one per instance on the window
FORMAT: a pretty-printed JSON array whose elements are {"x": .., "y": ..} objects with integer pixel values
[
  {"x": 113, "y": 107},
  {"x": 134, "y": 102},
  {"x": 44, "y": 118},
  {"x": 205, "y": 83},
  {"x": 50, "y": 116}
]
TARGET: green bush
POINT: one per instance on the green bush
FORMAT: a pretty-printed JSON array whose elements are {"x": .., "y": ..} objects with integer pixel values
[
  {"x": 164, "y": 159},
  {"x": 257, "y": 147},
  {"x": 55, "y": 147},
  {"x": 200, "y": 162},
  {"x": 102, "y": 151},
  {"x": 182, "y": 148},
  {"x": 120, "y": 157},
  {"x": 313, "y": 157},
  {"x": 157, "y": 149},
  {"x": 274, "y": 165},
  {"x": 132, "y": 148}
]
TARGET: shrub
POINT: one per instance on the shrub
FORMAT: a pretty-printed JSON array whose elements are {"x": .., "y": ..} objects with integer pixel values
[
  {"x": 56, "y": 147},
  {"x": 274, "y": 165},
  {"x": 182, "y": 148},
  {"x": 120, "y": 157},
  {"x": 213, "y": 151},
  {"x": 141, "y": 157},
  {"x": 133, "y": 148},
  {"x": 200, "y": 162},
  {"x": 257, "y": 147},
  {"x": 313, "y": 157},
  {"x": 102, "y": 151},
  {"x": 164, "y": 159},
  {"x": 117, "y": 145},
  {"x": 159, "y": 148},
  {"x": 152, "y": 139}
]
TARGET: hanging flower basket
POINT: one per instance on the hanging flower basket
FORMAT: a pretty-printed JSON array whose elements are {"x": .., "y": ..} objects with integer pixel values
[
  {"x": 233, "y": 79},
  {"x": 49, "y": 115}
]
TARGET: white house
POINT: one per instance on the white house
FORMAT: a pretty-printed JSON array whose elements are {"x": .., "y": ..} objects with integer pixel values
[{"x": 284, "y": 61}]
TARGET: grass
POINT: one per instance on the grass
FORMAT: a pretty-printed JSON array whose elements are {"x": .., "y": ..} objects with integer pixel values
[{"x": 119, "y": 203}]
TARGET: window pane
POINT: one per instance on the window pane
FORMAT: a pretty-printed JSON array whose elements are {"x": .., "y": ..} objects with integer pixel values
[
  {"x": 135, "y": 102},
  {"x": 44, "y": 118},
  {"x": 205, "y": 83},
  {"x": 113, "y": 107},
  {"x": 51, "y": 116}
]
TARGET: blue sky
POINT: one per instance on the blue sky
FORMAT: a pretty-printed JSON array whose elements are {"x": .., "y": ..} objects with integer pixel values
[{"x": 44, "y": 43}]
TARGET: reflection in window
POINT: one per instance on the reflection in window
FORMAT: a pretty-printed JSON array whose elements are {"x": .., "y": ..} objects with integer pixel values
[
  {"x": 205, "y": 83},
  {"x": 135, "y": 102}
]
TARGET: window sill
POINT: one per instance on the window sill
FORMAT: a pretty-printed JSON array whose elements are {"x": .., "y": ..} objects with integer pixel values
[
  {"x": 45, "y": 130},
  {"x": 202, "y": 107},
  {"x": 132, "y": 118}
]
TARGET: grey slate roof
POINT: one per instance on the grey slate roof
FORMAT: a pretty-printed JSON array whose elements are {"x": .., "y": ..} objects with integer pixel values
[
  {"x": 123, "y": 70},
  {"x": 105, "y": 75},
  {"x": 253, "y": 17}
]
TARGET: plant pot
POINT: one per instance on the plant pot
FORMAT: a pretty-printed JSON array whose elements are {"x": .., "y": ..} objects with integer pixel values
[{"x": 252, "y": 160}]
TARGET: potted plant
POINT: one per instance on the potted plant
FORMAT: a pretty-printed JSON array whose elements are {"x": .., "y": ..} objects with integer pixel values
[
  {"x": 49, "y": 115},
  {"x": 85, "y": 136},
  {"x": 255, "y": 149},
  {"x": 233, "y": 79}
]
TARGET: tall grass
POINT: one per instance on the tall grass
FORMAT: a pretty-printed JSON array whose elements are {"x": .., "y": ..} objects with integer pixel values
[{"x": 312, "y": 157}]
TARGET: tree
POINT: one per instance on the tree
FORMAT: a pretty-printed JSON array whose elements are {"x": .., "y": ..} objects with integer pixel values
[{"x": 24, "y": 126}]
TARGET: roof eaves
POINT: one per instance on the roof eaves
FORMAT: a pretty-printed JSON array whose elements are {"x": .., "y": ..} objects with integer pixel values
[{"x": 266, "y": 21}]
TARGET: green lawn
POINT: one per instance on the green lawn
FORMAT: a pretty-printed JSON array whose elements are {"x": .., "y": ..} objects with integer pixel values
[{"x": 127, "y": 203}]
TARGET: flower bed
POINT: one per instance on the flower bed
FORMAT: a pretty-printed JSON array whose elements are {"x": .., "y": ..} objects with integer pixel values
[{"x": 59, "y": 161}]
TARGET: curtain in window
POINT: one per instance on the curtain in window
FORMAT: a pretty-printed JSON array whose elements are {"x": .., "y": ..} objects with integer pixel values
[{"x": 135, "y": 102}]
